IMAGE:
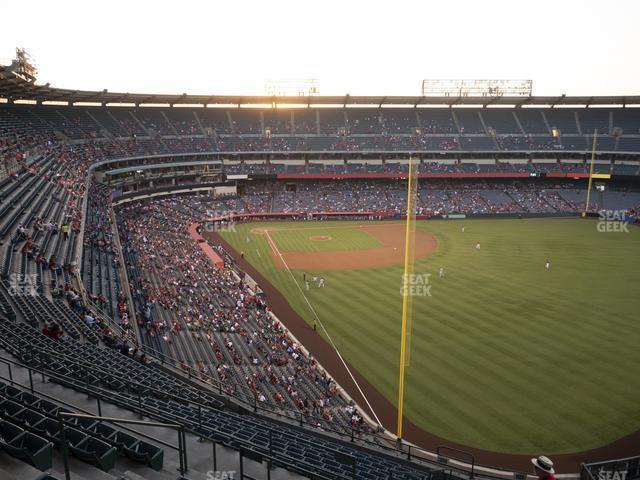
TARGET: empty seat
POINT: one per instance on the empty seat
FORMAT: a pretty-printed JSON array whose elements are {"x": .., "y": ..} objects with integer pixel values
[
  {"x": 123, "y": 440},
  {"x": 47, "y": 407},
  {"x": 106, "y": 432},
  {"x": 96, "y": 452},
  {"x": 10, "y": 410},
  {"x": 33, "y": 449},
  {"x": 146, "y": 453},
  {"x": 30, "y": 400},
  {"x": 85, "y": 424},
  {"x": 11, "y": 392},
  {"x": 9, "y": 432},
  {"x": 74, "y": 437},
  {"x": 27, "y": 418},
  {"x": 50, "y": 429}
]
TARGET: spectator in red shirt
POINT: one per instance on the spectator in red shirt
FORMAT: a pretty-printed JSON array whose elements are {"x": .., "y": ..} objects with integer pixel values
[
  {"x": 52, "y": 331},
  {"x": 543, "y": 468}
]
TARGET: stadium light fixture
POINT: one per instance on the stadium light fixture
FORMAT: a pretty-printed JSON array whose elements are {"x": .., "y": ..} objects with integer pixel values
[{"x": 476, "y": 88}]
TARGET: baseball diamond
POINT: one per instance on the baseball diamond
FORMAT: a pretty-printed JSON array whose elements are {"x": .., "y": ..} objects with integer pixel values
[{"x": 527, "y": 342}]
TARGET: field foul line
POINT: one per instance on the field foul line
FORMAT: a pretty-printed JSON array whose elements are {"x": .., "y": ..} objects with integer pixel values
[
  {"x": 272, "y": 245},
  {"x": 315, "y": 314}
]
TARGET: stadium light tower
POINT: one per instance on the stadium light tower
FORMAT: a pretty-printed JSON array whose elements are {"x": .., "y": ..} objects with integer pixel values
[
  {"x": 23, "y": 65},
  {"x": 292, "y": 87},
  {"x": 476, "y": 88}
]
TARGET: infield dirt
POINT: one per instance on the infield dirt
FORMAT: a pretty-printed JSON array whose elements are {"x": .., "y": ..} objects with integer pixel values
[{"x": 391, "y": 236}]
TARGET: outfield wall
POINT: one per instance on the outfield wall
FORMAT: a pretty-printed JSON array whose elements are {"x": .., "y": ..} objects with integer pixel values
[{"x": 510, "y": 215}]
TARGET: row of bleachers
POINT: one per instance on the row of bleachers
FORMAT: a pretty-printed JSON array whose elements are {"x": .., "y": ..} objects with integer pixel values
[
  {"x": 100, "y": 262},
  {"x": 500, "y": 121},
  {"x": 532, "y": 121},
  {"x": 87, "y": 122},
  {"x": 425, "y": 167},
  {"x": 36, "y": 425},
  {"x": 436, "y": 197},
  {"x": 469, "y": 121},
  {"x": 149, "y": 390},
  {"x": 475, "y": 142},
  {"x": 205, "y": 329},
  {"x": 562, "y": 119}
]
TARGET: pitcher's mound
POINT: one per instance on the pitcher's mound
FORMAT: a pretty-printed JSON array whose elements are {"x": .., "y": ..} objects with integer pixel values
[{"x": 320, "y": 238}]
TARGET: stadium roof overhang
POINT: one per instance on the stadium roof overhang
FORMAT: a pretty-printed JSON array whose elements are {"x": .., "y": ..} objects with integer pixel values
[{"x": 14, "y": 88}]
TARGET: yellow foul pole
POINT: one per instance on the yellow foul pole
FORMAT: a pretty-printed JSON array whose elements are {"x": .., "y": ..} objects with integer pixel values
[
  {"x": 405, "y": 293},
  {"x": 593, "y": 159}
]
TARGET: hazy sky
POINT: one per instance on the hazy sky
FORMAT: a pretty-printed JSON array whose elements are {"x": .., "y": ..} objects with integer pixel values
[{"x": 360, "y": 47}]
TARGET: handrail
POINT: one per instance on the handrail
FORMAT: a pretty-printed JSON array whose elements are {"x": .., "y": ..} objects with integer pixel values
[
  {"x": 67, "y": 380},
  {"x": 110, "y": 321},
  {"x": 457, "y": 450},
  {"x": 122, "y": 270},
  {"x": 80, "y": 245},
  {"x": 8, "y": 363},
  {"x": 129, "y": 383},
  {"x": 585, "y": 472},
  {"x": 94, "y": 390},
  {"x": 614, "y": 460},
  {"x": 182, "y": 452},
  {"x": 97, "y": 390}
]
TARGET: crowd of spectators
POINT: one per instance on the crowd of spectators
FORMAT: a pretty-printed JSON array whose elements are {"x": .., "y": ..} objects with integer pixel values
[
  {"x": 435, "y": 197},
  {"x": 395, "y": 167},
  {"x": 209, "y": 319}
]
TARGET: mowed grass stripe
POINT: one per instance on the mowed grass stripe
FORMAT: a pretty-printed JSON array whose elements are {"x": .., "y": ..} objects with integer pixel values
[
  {"x": 609, "y": 377},
  {"x": 498, "y": 326},
  {"x": 522, "y": 418},
  {"x": 290, "y": 240},
  {"x": 365, "y": 326}
]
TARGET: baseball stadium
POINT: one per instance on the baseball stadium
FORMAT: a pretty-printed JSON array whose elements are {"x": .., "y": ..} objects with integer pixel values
[{"x": 443, "y": 286}]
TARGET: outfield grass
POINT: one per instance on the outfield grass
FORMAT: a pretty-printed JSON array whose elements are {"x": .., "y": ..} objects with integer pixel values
[{"x": 507, "y": 356}]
